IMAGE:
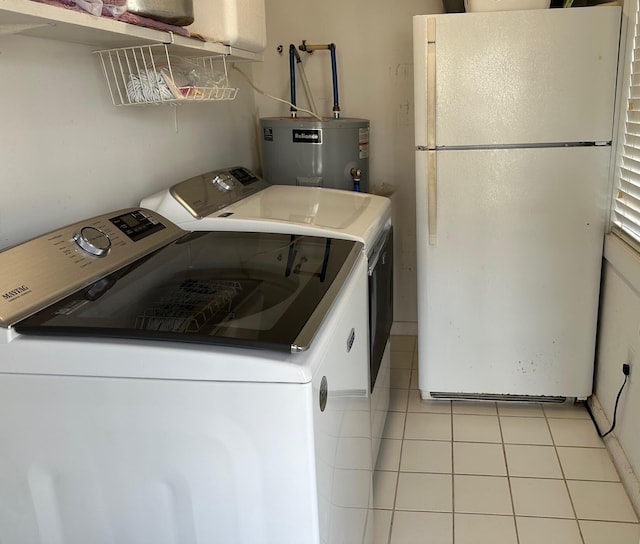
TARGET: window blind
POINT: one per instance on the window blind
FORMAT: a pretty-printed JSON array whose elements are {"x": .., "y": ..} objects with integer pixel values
[{"x": 626, "y": 206}]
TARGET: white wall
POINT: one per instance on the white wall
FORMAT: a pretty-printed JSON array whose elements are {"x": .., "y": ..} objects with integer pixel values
[
  {"x": 374, "y": 50},
  {"x": 66, "y": 153},
  {"x": 619, "y": 322},
  {"x": 619, "y": 342}
]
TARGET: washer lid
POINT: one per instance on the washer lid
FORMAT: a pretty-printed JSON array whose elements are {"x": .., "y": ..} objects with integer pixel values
[{"x": 255, "y": 290}]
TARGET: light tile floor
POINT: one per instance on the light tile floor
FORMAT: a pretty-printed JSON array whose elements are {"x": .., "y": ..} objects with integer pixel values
[{"x": 492, "y": 473}]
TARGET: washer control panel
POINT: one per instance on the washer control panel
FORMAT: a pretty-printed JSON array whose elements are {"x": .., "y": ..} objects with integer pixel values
[
  {"x": 137, "y": 224},
  {"x": 93, "y": 241},
  {"x": 43, "y": 270}
]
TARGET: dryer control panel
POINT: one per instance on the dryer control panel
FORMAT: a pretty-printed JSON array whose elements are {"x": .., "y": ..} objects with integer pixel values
[
  {"x": 44, "y": 270},
  {"x": 207, "y": 193}
]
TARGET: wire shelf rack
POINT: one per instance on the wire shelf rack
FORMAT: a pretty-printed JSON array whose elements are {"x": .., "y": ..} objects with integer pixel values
[
  {"x": 189, "y": 306},
  {"x": 149, "y": 74}
]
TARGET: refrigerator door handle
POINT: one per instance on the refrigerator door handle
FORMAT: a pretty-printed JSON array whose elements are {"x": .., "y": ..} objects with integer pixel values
[
  {"x": 432, "y": 193},
  {"x": 431, "y": 83},
  {"x": 432, "y": 208}
]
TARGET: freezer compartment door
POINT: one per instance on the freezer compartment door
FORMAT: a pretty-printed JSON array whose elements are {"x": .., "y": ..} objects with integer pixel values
[
  {"x": 519, "y": 77},
  {"x": 508, "y": 297}
]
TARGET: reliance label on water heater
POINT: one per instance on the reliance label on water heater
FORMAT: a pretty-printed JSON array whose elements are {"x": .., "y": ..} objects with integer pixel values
[{"x": 309, "y": 136}]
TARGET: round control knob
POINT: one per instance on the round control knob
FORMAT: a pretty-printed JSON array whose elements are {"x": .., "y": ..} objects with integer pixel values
[
  {"x": 93, "y": 241},
  {"x": 222, "y": 184}
]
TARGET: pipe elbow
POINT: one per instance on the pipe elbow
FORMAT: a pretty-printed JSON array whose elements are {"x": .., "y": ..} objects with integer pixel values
[{"x": 293, "y": 53}]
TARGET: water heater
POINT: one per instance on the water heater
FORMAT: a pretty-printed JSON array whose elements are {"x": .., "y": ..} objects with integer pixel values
[{"x": 304, "y": 151}]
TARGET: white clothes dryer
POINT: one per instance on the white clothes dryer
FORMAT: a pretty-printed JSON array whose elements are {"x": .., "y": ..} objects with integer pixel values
[{"x": 236, "y": 199}]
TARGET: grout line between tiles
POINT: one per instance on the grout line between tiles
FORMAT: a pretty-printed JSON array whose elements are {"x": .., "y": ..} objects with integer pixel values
[
  {"x": 395, "y": 495},
  {"x": 564, "y": 477},
  {"x": 453, "y": 482},
  {"x": 506, "y": 465}
]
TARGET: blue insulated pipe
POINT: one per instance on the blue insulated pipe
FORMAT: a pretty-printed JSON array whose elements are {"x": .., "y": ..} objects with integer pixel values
[
  {"x": 292, "y": 75},
  {"x": 334, "y": 73}
]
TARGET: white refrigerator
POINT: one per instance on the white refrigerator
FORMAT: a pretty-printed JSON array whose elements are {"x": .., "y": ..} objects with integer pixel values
[{"x": 514, "y": 114}]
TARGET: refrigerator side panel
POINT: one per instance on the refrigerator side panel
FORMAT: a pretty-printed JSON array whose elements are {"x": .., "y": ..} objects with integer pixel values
[
  {"x": 526, "y": 77},
  {"x": 511, "y": 288}
]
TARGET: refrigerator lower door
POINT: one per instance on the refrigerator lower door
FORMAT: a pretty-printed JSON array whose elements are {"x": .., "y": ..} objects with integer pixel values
[{"x": 508, "y": 297}]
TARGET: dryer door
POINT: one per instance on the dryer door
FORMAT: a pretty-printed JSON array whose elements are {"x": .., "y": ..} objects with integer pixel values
[{"x": 380, "y": 300}]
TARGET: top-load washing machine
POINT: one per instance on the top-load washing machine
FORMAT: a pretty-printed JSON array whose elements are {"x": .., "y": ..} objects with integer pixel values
[
  {"x": 161, "y": 386},
  {"x": 236, "y": 199}
]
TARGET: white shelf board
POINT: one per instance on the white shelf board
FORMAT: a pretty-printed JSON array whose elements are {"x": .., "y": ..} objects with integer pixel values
[{"x": 26, "y": 16}]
